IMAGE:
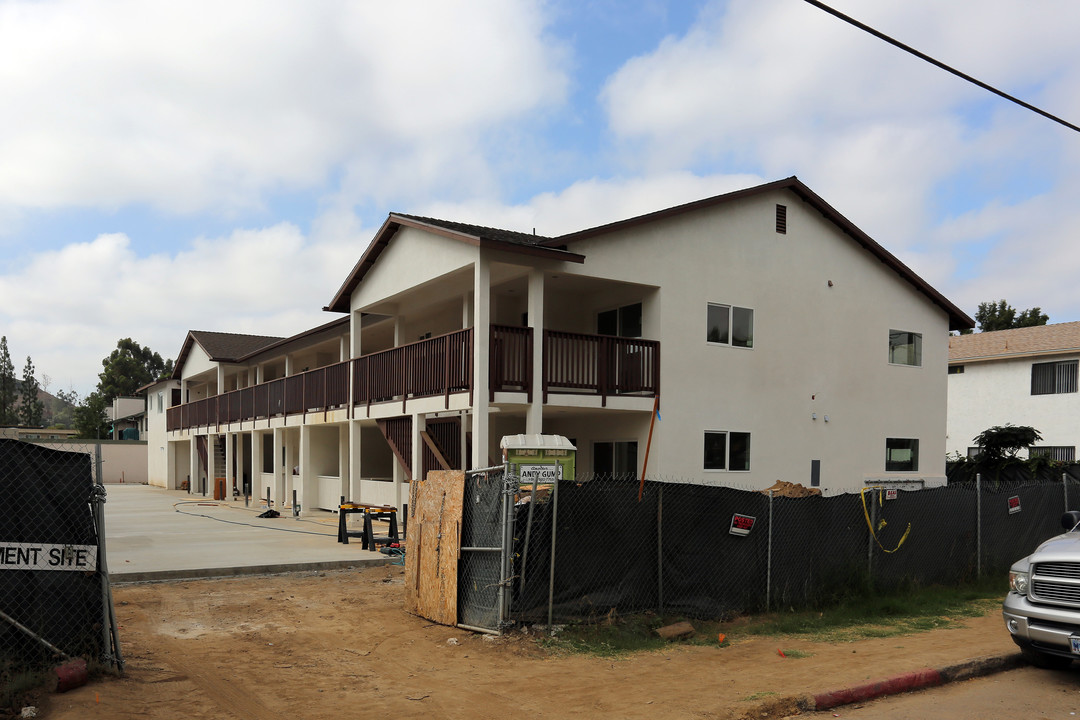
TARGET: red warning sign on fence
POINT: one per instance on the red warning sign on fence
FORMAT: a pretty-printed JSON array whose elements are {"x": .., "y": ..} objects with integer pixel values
[
  {"x": 1014, "y": 504},
  {"x": 741, "y": 524}
]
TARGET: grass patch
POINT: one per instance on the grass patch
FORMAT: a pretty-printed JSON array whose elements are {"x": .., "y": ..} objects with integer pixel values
[
  {"x": 873, "y": 615},
  {"x": 797, "y": 654}
]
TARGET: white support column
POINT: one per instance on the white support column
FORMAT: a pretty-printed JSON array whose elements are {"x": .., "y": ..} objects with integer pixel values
[
  {"x": 356, "y": 333},
  {"x": 230, "y": 459},
  {"x": 534, "y": 418},
  {"x": 220, "y": 379},
  {"x": 193, "y": 463},
  {"x": 281, "y": 471},
  {"x": 467, "y": 310},
  {"x": 481, "y": 332},
  {"x": 344, "y": 452},
  {"x": 171, "y": 482},
  {"x": 288, "y": 365},
  {"x": 343, "y": 349},
  {"x": 305, "y": 481},
  {"x": 419, "y": 424},
  {"x": 354, "y": 462}
]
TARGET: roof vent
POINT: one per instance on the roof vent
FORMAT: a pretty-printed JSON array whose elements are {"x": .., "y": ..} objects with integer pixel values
[{"x": 781, "y": 219}]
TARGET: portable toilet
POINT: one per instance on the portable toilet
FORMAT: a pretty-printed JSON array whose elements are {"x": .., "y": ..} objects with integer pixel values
[{"x": 539, "y": 458}]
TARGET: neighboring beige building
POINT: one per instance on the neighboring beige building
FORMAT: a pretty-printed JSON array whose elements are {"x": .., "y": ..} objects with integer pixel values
[
  {"x": 793, "y": 347},
  {"x": 1025, "y": 376},
  {"x": 128, "y": 418},
  {"x": 33, "y": 434}
]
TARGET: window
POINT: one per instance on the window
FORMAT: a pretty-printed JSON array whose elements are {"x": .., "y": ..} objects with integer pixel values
[
  {"x": 730, "y": 325},
  {"x": 160, "y": 401},
  {"x": 727, "y": 451},
  {"x": 974, "y": 453},
  {"x": 621, "y": 322},
  {"x": 618, "y": 459},
  {"x": 1053, "y": 377},
  {"x": 901, "y": 455},
  {"x": 905, "y": 348},
  {"x": 1061, "y": 453},
  {"x": 956, "y": 369}
]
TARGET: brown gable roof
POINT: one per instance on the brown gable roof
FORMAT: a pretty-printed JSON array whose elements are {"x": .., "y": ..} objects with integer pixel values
[
  {"x": 477, "y": 235},
  {"x": 534, "y": 244},
  {"x": 958, "y": 319},
  {"x": 1019, "y": 342},
  {"x": 221, "y": 347}
]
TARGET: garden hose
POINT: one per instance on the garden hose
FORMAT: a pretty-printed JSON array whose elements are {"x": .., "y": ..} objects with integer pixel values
[{"x": 869, "y": 524}]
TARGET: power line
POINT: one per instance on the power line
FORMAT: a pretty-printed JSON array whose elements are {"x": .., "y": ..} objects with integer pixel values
[{"x": 938, "y": 63}]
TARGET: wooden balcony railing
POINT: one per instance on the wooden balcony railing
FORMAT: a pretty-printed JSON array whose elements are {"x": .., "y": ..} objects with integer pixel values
[
  {"x": 572, "y": 362},
  {"x": 510, "y": 359},
  {"x": 436, "y": 366},
  {"x": 600, "y": 364}
]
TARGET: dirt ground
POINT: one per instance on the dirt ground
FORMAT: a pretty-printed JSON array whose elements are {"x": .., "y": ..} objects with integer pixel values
[{"x": 338, "y": 644}]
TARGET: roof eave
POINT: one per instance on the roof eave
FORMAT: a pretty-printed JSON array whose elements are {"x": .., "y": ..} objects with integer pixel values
[
  {"x": 958, "y": 319},
  {"x": 394, "y": 222}
]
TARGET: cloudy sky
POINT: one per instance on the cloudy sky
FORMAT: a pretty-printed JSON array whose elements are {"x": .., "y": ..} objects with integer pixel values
[{"x": 220, "y": 165}]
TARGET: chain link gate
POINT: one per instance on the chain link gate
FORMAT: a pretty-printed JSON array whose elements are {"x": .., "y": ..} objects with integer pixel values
[
  {"x": 55, "y": 598},
  {"x": 487, "y": 542}
]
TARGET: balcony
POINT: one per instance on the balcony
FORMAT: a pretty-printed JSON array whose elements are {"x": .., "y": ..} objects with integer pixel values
[{"x": 572, "y": 363}]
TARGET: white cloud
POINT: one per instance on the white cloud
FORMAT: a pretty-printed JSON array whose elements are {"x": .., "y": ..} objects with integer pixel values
[
  {"x": 67, "y": 308},
  {"x": 588, "y": 203},
  {"x": 891, "y": 141},
  {"x": 210, "y": 105}
]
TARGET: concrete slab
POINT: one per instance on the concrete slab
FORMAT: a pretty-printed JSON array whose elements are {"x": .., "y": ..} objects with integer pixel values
[{"x": 155, "y": 534}]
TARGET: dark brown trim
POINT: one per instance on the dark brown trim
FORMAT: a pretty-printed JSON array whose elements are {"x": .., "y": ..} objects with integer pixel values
[
  {"x": 958, "y": 319},
  {"x": 340, "y": 302}
]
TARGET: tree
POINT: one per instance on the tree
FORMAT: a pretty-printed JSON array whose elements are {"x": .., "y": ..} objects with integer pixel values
[
  {"x": 90, "y": 419},
  {"x": 64, "y": 408},
  {"x": 7, "y": 385},
  {"x": 1002, "y": 316},
  {"x": 1003, "y": 441},
  {"x": 128, "y": 368},
  {"x": 31, "y": 409}
]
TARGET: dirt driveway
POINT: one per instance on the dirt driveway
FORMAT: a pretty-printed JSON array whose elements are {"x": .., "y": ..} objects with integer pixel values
[{"x": 338, "y": 644}]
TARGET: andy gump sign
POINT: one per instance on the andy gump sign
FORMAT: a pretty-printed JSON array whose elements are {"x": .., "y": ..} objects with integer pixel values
[
  {"x": 47, "y": 556},
  {"x": 540, "y": 473}
]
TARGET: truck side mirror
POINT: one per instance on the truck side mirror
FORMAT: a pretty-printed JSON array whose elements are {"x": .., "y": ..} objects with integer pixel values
[{"x": 1070, "y": 519}]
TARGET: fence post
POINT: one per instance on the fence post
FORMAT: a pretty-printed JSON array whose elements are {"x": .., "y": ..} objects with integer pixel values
[
  {"x": 1065, "y": 488},
  {"x": 870, "y": 543},
  {"x": 554, "y": 530},
  {"x": 768, "y": 562},
  {"x": 660, "y": 547},
  {"x": 978, "y": 525}
]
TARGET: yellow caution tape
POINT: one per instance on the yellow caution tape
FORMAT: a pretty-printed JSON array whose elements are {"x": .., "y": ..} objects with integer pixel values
[{"x": 869, "y": 524}]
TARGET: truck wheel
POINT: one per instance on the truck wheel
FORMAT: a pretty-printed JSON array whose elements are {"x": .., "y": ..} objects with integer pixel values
[{"x": 1045, "y": 660}]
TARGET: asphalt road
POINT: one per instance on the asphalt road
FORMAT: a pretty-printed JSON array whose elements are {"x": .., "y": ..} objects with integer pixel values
[{"x": 1028, "y": 693}]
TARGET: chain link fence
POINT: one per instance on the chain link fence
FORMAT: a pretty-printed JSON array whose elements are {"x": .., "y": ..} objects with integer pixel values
[
  {"x": 55, "y": 600},
  {"x": 589, "y": 547},
  {"x": 483, "y": 593}
]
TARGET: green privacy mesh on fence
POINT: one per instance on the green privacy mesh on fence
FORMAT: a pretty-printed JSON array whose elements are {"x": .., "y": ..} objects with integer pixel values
[
  {"x": 707, "y": 551},
  {"x": 55, "y": 602}
]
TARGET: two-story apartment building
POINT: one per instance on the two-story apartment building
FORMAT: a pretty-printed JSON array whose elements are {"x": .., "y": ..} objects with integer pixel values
[
  {"x": 1024, "y": 376},
  {"x": 778, "y": 340}
]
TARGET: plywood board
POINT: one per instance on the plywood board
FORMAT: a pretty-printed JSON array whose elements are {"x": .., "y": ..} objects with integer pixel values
[{"x": 431, "y": 567}]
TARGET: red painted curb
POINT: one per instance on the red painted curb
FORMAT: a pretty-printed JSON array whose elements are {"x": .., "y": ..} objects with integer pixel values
[{"x": 877, "y": 688}]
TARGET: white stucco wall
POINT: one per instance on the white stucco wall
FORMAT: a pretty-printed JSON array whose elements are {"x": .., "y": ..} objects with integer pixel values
[
  {"x": 412, "y": 258},
  {"x": 157, "y": 455},
  {"x": 998, "y": 392},
  {"x": 817, "y": 349}
]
